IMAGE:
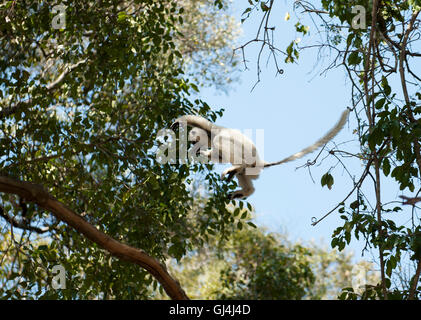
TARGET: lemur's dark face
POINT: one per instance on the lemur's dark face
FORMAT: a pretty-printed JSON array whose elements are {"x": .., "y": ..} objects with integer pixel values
[{"x": 198, "y": 135}]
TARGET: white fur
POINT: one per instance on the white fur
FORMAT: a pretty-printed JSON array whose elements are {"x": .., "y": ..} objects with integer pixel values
[{"x": 224, "y": 145}]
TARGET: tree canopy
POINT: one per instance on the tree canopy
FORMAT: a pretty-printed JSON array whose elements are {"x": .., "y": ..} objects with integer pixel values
[
  {"x": 377, "y": 45},
  {"x": 80, "y": 107},
  {"x": 256, "y": 264}
]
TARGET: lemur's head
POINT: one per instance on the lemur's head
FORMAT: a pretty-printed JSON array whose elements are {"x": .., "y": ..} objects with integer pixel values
[{"x": 199, "y": 136}]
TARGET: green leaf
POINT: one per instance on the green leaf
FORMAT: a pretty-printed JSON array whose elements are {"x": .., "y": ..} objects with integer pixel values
[
  {"x": 246, "y": 11},
  {"x": 252, "y": 224},
  {"x": 327, "y": 180},
  {"x": 380, "y": 103},
  {"x": 122, "y": 16},
  {"x": 249, "y": 207},
  {"x": 240, "y": 225},
  {"x": 264, "y": 6},
  {"x": 354, "y": 205},
  {"x": 386, "y": 166},
  {"x": 354, "y": 58},
  {"x": 385, "y": 84}
]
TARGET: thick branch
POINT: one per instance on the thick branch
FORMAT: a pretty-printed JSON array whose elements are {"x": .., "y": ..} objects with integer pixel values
[
  {"x": 415, "y": 281},
  {"x": 35, "y": 193}
]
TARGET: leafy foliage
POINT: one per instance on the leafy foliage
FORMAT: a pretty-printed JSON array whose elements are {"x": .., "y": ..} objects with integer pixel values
[
  {"x": 377, "y": 44},
  {"x": 80, "y": 108},
  {"x": 207, "y": 46},
  {"x": 255, "y": 264}
]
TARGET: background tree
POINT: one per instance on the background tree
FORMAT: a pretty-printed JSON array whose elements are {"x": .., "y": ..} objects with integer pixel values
[
  {"x": 80, "y": 107},
  {"x": 377, "y": 44},
  {"x": 255, "y": 264},
  {"x": 209, "y": 36}
]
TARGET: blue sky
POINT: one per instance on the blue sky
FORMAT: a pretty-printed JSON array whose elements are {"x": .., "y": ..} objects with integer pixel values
[{"x": 295, "y": 109}]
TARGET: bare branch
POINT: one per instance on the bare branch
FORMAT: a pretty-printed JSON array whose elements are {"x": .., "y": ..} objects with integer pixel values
[
  {"x": 357, "y": 185},
  {"x": 263, "y": 36},
  {"x": 411, "y": 201}
]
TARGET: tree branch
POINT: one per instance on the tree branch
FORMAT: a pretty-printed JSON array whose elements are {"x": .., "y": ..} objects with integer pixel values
[
  {"x": 68, "y": 69},
  {"x": 37, "y": 194},
  {"x": 415, "y": 281},
  {"x": 411, "y": 201},
  {"x": 356, "y": 185},
  {"x": 410, "y": 28},
  {"x": 21, "y": 224}
]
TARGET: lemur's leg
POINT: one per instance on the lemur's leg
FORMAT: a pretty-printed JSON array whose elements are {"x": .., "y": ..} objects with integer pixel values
[
  {"x": 246, "y": 185},
  {"x": 194, "y": 150}
]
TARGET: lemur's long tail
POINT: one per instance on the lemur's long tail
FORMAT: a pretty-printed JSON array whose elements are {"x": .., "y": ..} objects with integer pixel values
[{"x": 326, "y": 138}]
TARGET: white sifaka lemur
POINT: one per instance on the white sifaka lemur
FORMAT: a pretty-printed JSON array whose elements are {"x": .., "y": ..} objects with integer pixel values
[{"x": 225, "y": 145}]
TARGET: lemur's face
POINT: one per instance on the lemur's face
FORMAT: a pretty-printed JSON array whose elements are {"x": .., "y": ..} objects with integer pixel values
[
  {"x": 198, "y": 135},
  {"x": 194, "y": 135}
]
